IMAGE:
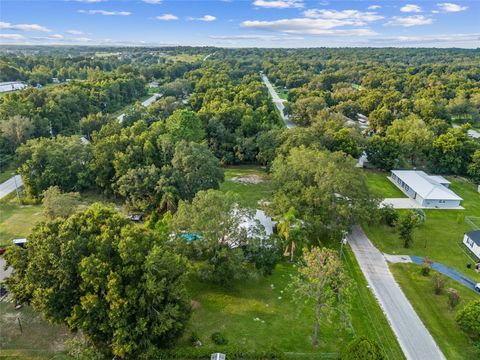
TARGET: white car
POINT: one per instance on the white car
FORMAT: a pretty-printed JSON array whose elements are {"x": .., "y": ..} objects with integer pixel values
[{"x": 477, "y": 287}]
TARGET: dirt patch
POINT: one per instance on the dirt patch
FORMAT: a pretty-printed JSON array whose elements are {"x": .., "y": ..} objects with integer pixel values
[
  {"x": 195, "y": 304},
  {"x": 248, "y": 179}
]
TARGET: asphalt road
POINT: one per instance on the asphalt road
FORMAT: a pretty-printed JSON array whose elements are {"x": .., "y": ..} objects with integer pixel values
[
  {"x": 145, "y": 103},
  {"x": 277, "y": 101},
  {"x": 413, "y": 337},
  {"x": 8, "y": 186}
]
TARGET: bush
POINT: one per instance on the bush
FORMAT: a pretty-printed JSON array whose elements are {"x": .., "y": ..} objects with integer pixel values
[
  {"x": 232, "y": 352},
  {"x": 426, "y": 266},
  {"x": 468, "y": 318},
  {"x": 219, "y": 339},
  {"x": 362, "y": 348},
  {"x": 453, "y": 298},
  {"x": 194, "y": 337},
  {"x": 389, "y": 215},
  {"x": 438, "y": 283}
]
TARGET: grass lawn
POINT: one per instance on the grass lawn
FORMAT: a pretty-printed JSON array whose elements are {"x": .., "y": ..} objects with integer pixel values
[
  {"x": 250, "y": 194},
  {"x": 440, "y": 238},
  {"x": 16, "y": 221},
  {"x": 435, "y": 312},
  {"x": 282, "y": 93},
  {"x": 379, "y": 184},
  {"x": 282, "y": 323},
  {"x": 38, "y": 339}
]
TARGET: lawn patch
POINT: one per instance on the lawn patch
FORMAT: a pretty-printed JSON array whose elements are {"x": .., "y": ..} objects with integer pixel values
[
  {"x": 381, "y": 186},
  {"x": 435, "y": 312}
]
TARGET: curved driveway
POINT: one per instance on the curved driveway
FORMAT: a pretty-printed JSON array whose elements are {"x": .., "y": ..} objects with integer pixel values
[{"x": 413, "y": 337}]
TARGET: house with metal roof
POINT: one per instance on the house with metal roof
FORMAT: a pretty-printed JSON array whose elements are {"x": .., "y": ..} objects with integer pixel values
[
  {"x": 430, "y": 191},
  {"x": 472, "y": 242}
]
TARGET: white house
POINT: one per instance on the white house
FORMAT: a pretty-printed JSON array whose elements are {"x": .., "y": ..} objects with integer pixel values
[
  {"x": 472, "y": 242},
  {"x": 431, "y": 191}
]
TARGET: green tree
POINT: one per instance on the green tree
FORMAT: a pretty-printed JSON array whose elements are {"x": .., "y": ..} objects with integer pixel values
[
  {"x": 383, "y": 152},
  {"x": 322, "y": 282},
  {"x": 474, "y": 167},
  {"x": 216, "y": 219},
  {"x": 290, "y": 230},
  {"x": 199, "y": 168},
  {"x": 363, "y": 348},
  {"x": 58, "y": 204},
  {"x": 185, "y": 125},
  {"x": 406, "y": 225},
  {"x": 328, "y": 191},
  {"x": 99, "y": 274},
  {"x": 469, "y": 318}
]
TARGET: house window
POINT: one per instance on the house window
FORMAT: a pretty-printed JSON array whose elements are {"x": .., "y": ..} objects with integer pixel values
[
  {"x": 441, "y": 201},
  {"x": 407, "y": 187}
]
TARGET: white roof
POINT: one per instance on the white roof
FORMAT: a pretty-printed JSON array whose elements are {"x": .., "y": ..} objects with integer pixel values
[
  {"x": 265, "y": 221},
  {"x": 439, "y": 179},
  {"x": 428, "y": 187},
  {"x": 19, "y": 241}
]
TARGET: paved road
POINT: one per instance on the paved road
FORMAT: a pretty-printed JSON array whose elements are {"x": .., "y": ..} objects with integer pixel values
[
  {"x": 413, "y": 337},
  {"x": 4, "y": 273},
  {"x": 8, "y": 186},
  {"x": 277, "y": 101},
  {"x": 145, "y": 103},
  {"x": 206, "y": 57}
]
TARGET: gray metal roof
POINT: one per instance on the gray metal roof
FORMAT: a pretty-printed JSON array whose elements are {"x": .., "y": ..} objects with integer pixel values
[
  {"x": 426, "y": 186},
  {"x": 475, "y": 236}
]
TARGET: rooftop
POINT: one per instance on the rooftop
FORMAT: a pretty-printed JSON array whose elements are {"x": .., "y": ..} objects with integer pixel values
[
  {"x": 428, "y": 187},
  {"x": 475, "y": 236}
]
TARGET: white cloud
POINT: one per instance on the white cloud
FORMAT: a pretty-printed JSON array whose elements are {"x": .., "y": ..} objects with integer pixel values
[
  {"x": 408, "y": 21},
  {"x": 105, "y": 13},
  {"x": 279, "y": 4},
  {"x": 23, "y": 27},
  {"x": 12, "y": 37},
  {"x": 55, "y": 36},
  {"x": 203, "y": 18},
  {"x": 374, "y": 7},
  {"x": 411, "y": 8},
  {"x": 451, "y": 39},
  {"x": 255, "y": 37},
  {"x": 307, "y": 26},
  {"x": 153, "y": 2},
  {"x": 75, "y": 32},
  {"x": 355, "y": 17},
  {"x": 450, "y": 7},
  {"x": 166, "y": 17}
]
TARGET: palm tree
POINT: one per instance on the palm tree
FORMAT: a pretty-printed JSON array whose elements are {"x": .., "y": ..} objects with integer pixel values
[
  {"x": 169, "y": 199},
  {"x": 289, "y": 228}
]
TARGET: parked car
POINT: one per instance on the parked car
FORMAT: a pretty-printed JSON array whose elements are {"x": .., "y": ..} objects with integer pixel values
[
  {"x": 477, "y": 287},
  {"x": 135, "y": 217}
]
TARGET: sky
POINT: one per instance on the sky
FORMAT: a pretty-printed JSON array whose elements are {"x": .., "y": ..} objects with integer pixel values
[{"x": 242, "y": 23}]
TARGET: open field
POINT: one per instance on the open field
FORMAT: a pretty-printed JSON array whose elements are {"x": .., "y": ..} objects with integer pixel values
[
  {"x": 16, "y": 221},
  {"x": 282, "y": 93},
  {"x": 37, "y": 340},
  {"x": 435, "y": 312},
  {"x": 379, "y": 184},
  {"x": 250, "y": 193},
  {"x": 282, "y": 323},
  {"x": 440, "y": 237}
]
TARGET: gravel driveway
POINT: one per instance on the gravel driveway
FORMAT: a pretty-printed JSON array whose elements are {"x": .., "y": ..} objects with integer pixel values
[{"x": 413, "y": 337}]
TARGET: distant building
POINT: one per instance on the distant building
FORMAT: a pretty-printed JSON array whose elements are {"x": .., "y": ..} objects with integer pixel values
[
  {"x": 153, "y": 84},
  {"x": 12, "y": 86},
  {"x": 429, "y": 191},
  {"x": 55, "y": 81},
  {"x": 472, "y": 242}
]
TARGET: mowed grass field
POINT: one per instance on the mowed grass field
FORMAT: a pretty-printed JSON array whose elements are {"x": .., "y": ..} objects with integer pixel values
[
  {"x": 435, "y": 312},
  {"x": 440, "y": 238},
  {"x": 16, "y": 221}
]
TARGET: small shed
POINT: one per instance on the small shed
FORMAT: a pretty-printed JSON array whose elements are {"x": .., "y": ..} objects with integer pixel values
[
  {"x": 472, "y": 242},
  {"x": 20, "y": 242}
]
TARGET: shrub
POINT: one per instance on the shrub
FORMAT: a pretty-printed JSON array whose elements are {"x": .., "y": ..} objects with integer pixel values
[
  {"x": 362, "y": 348},
  {"x": 219, "y": 339},
  {"x": 426, "y": 266},
  {"x": 468, "y": 318},
  {"x": 438, "y": 283},
  {"x": 453, "y": 297},
  {"x": 194, "y": 337},
  {"x": 389, "y": 215}
]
